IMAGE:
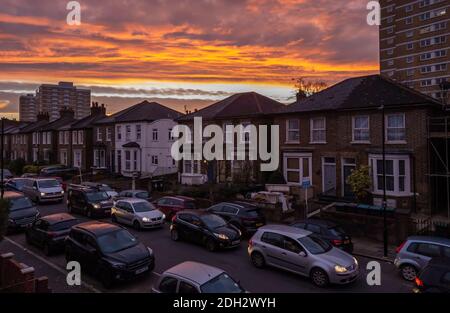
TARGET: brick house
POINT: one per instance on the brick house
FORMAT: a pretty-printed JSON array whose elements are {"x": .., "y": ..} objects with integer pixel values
[
  {"x": 12, "y": 139},
  {"x": 82, "y": 151},
  {"x": 31, "y": 133},
  {"x": 103, "y": 142},
  {"x": 240, "y": 109},
  {"x": 326, "y": 136}
]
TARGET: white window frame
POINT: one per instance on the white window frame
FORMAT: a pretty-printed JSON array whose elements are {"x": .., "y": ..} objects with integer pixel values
[
  {"x": 119, "y": 132},
  {"x": 127, "y": 160},
  {"x": 312, "y": 130},
  {"x": 171, "y": 138},
  {"x": 108, "y": 133},
  {"x": 193, "y": 167},
  {"x": 127, "y": 132},
  {"x": 61, "y": 138},
  {"x": 66, "y": 137},
  {"x": 74, "y": 137},
  {"x": 138, "y": 132},
  {"x": 354, "y": 140},
  {"x": 378, "y": 190},
  {"x": 292, "y": 130},
  {"x": 77, "y": 163},
  {"x": 155, "y": 160},
  {"x": 99, "y": 134},
  {"x": 63, "y": 157},
  {"x": 80, "y": 137},
  {"x": 301, "y": 157},
  {"x": 402, "y": 141},
  {"x": 155, "y": 134}
]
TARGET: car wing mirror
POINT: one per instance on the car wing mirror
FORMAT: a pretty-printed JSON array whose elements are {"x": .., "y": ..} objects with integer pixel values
[{"x": 302, "y": 253}]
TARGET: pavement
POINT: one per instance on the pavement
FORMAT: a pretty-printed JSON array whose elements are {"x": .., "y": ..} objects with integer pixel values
[
  {"x": 169, "y": 253},
  {"x": 372, "y": 249}
]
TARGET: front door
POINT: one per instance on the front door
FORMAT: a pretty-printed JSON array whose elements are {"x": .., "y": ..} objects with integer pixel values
[
  {"x": 329, "y": 176},
  {"x": 348, "y": 165}
]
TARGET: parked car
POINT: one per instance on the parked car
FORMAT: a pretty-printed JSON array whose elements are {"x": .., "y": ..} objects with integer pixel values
[
  {"x": 435, "y": 277},
  {"x": 61, "y": 181},
  {"x": 140, "y": 194},
  {"x": 328, "y": 231},
  {"x": 22, "y": 212},
  {"x": 43, "y": 190},
  {"x": 88, "y": 201},
  {"x": 171, "y": 205},
  {"x": 302, "y": 252},
  {"x": 102, "y": 187},
  {"x": 192, "y": 277},
  {"x": 414, "y": 254},
  {"x": 49, "y": 232},
  {"x": 5, "y": 174},
  {"x": 109, "y": 251},
  {"x": 59, "y": 170},
  {"x": 204, "y": 228},
  {"x": 245, "y": 216},
  {"x": 15, "y": 184},
  {"x": 137, "y": 213}
]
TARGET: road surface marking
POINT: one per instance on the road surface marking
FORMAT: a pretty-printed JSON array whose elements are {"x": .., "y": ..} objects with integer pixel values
[{"x": 52, "y": 265}]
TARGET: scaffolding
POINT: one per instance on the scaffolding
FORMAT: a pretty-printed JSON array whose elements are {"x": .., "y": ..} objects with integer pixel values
[{"x": 439, "y": 165}]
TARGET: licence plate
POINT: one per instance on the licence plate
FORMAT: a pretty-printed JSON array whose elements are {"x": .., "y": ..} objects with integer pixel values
[{"x": 141, "y": 270}]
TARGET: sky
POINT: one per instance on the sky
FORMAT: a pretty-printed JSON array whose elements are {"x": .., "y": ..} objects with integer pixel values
[{"x": 182, "y": 53}]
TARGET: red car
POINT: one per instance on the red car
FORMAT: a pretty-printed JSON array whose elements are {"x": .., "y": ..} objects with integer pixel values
[{"x": 171, "y": 205}]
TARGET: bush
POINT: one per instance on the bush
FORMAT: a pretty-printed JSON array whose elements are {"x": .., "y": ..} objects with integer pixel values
[
  {"x": 276, "y": 178},
  {"x": 4, "y": 213},
  {"x": 16, "y": 166},
  {"x": 31, "y": 169},
  {"x": 360, "y": 182}
]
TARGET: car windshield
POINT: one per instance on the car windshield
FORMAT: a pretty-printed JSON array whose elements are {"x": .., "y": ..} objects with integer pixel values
[
  {"x": 142, "y": 195},
  {"x": 221, "y": 284},
  {"x": 64, "y": 225},
  {"x": 49, "y": 183},
  {"x": 116, "y": 241},
  {"x": 144, "y": 206},
  {"x": 315, "y": 245},
  {"x": 336, "y": 231},
  {"x": 19, "y": 183},
  {"x": 97, "y": 196},
  {"x": 190, "y": 205},
  {"x": 213, "y": 221},
  {"x": 20, "y": 203}
]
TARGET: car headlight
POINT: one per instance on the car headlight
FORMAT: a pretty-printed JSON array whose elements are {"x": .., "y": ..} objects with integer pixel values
[
  {"x": 97, "y": 206},
  {"x": 221, "y": 236},
  {"x": 11, "y": 221},
  {"x": 150, "y": 251},
  {"x": 145, "y": 219},
  {"x": 340, "y": 269},
  {"x": 42, "y": 193},
  {"x": 62, "y": 192},
  {"x": 164, "y": 216},
  {"x": 356, "y": 261}
]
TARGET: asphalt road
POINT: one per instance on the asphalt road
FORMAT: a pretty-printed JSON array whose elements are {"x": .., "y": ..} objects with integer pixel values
[{"x": 169, "y": 253}]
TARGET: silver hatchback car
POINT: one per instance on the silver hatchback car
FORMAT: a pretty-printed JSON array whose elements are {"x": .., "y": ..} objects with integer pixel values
[
  {"x": 301, "y": 252},
  {"x": 414, "y": 254},
  {"x": 137, "y": 213}
]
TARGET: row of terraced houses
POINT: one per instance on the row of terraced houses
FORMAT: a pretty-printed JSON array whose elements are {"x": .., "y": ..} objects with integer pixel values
[{"x": 322, "y": 139}]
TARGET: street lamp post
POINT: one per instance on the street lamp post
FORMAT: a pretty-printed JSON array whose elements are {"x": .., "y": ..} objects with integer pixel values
[
  {"x": 385, "y": 230},
  {"x": 2, "y": 161}
]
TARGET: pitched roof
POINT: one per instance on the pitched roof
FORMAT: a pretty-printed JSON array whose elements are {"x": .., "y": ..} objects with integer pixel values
[
  {"x": 361, "y": 93},
  {"x": 36, "y": 126},
  {"x": 87, "y": 121},
  {"x": 59, "y": 123},
  {"x": 144, "y": 111},
  {"x": 239, "y": 105}
]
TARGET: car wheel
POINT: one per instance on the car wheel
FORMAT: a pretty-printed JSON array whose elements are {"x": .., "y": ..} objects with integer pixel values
[
  {"x": 211, "y": 245},
  {"x": 46, "y": 249},
  {"x": 319, "y": 277},
  {"x": 107, "y": 279},
  {"x": 408, "y": 272},
  {"x": 258, "y": 260},
  {"x": 114, "y": 218},
  {"x": 137, "y": 225},
  {"x": 174, "y": 235}
]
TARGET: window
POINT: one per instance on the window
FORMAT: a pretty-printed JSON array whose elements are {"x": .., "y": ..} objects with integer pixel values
[
  {"x": 297, "y": 168},
  {"x": 63, "y": 157},
  {"x": 135, "y": 160},
  {"x": 127, "y": 160},
  {"x": 410, "y": 46},
  {"x": 138, "y": 132},
  {"x": 398, "y": 174},
  {"x": 361, "y": 129},
  {"x": 291, "y": 245},
  {"x": 273, "y": 239},
  {"x": 318, "y": 130},
  {"x": 99, "y": 134},
  {"x": 74, "y": 137},
  {"x": 155, "y": 134},
  {"x": 119, "y": 132},
  {"x": 409, "y": 59},
  {"x": 108, "y": 134},
  {"x": 77, "y": 158},
  {"x": 66, "y": 137},
  {"x": 293, "y": 130},
  {"x": 170, "y": 135},
  {"x": 395, "y": 128},
  {"x": 191, "y": 167},
  {"x": 429, "y": 250},
  {"x": 61, "y": 138},
  {"x": 80, "y": 137},
  {"x": 128, "y": 133},
  {"x": 186, "y": 288},
  {"x": 154, "y": 159},
  {"x": 168, "y": 285}
]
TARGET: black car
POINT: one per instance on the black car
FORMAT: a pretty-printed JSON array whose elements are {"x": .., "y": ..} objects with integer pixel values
[
  {"x": 22, "y": 212},
  {"x": 328, "y": 231},
  {"x": 15, "y": 184},
  {"x": 59, "y": 170},
  {"x": 245, "y": 216},
  {"x": 109, "y": 251},
  {"x": 435, "y": 277},
  {"x": 89, "y": 201},
  {"x": 204, "y": 228},
  {"x": 49, "y": 232}
]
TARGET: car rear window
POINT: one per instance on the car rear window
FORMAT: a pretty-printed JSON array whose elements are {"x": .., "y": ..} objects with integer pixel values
[{"x": 64, "y": 225}]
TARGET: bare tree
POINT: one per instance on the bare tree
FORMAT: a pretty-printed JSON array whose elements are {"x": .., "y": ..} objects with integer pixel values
[{"x": 305, "y": 88}]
